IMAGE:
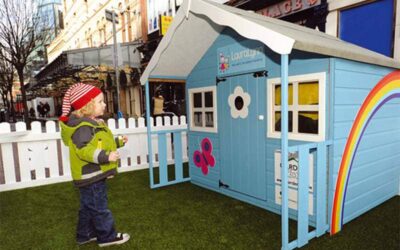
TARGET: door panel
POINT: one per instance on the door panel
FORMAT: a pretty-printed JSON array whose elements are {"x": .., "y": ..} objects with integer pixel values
[{"x": 243, "y": 134}]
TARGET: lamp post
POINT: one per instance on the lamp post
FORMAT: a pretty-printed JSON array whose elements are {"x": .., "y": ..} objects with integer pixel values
[{"x": 111, "y": 16}]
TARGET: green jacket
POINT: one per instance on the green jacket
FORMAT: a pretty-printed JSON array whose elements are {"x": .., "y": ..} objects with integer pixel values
[{"x": 90, "y": 144}]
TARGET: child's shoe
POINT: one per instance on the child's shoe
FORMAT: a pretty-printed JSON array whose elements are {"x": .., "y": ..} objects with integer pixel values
[
  {"x": 119, "y": 239},
  {"x": 89, "y": 240}
]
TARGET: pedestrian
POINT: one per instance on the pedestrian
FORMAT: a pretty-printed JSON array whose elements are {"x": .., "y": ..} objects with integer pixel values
[
  {"x": 93, "y": 159},
  {"x": 46, "y": 109},
  {"x": 32, "y": 112},
  {"x": 39, "y": 108}
]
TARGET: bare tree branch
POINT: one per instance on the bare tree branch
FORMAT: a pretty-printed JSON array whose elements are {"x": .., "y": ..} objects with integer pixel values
[
  {"x": 6, "y": 83},
  {"x": 22, "y": 31}
]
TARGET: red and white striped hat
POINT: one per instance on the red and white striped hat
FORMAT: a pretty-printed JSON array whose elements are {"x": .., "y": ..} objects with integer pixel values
[{"x": 77, "y": 96}]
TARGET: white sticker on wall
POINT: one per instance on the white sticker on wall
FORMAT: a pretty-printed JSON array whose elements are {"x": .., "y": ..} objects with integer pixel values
[
  {"x": 293, "y": 182},
  {"x": 239, "y": 102}
]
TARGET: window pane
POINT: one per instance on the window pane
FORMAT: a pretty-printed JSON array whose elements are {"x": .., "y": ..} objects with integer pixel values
[
  {"x": 239, "y": 103},
  {"x": 197, "y": 119},
  {"x": 210, "y": 119},
  {"x": 308, "y": 93},
  {"x": 197, "y": 103},
  {"x": 278, "y": 94},
  {"x": 208, "y": 96},
  {"x": 308, "y": 122},
  {"x": 278, "y": 121}
]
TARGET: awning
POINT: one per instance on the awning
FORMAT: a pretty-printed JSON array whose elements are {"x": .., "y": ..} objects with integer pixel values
[
  {"x": 198, "y": 23},
  {"x": 72, "y": 61}
]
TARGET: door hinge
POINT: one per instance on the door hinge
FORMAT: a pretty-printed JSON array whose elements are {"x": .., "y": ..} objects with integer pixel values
[
  {"x": 262, "y": 73},
  {"x": 217, "y": 80},
  {"x": 221, "y": 184}
]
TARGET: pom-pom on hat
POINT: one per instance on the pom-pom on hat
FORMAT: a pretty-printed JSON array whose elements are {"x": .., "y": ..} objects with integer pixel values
[{"x": 77, "y": 96}]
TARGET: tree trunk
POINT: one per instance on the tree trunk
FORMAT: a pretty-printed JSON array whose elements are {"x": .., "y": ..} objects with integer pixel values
[
  {"x": 20, "y": 72},
  {"x": 11, "y": 107},
  {"x": 7, "y": 103},
  {"x": 4, "y": 98}
]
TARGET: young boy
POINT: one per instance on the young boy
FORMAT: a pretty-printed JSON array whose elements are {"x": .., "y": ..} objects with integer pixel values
[{"x": 93, "y": 159}]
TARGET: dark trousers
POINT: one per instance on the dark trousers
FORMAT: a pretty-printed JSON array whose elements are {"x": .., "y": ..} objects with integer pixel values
[{"x": 95, "y": 219}]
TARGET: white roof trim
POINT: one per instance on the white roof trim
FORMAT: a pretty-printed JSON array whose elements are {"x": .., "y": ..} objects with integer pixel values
[
  {"x": 198, "y": 23},
  {"x": 277, "y": 42},
  {"x": 162, "y": 46}
]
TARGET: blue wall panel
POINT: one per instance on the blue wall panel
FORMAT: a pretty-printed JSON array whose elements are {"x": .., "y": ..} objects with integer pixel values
[
  {"x": 375, "y": 172},
  {"x": 370, "y": 26}
]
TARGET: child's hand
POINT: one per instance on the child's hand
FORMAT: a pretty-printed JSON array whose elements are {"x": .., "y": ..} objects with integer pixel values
[
  {"x": 124, "y": 139},
  {"x": 113, "y": 156}
]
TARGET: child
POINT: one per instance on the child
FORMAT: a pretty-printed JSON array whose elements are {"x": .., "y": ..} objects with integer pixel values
[{"x": 93, "y": 159}]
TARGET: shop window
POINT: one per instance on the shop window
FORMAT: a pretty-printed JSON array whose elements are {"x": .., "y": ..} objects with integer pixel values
[
  {"x": 306, "y": 99},
  {"x": 203, "y": 109},
  {"x": 358, "y": 27}
]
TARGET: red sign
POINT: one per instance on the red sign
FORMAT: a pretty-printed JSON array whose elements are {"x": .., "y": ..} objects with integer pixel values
[{"x": 288, "y": 7}]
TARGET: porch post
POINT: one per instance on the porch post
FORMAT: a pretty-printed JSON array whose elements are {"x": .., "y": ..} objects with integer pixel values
[
  {"x": 149, "y": 144},
  {"x": 284, "y": 150}
]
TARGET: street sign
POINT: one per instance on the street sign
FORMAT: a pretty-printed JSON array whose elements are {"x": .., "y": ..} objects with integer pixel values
[
  {"x": 117, "y": 57},
  {"x": 109, "y": 16},
  {"x": 165, "y": 23}
]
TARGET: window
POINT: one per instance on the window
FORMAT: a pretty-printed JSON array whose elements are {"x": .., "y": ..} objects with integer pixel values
[
  {"x": 203, "y": 109},
  {"x": 306, "y": 100}
]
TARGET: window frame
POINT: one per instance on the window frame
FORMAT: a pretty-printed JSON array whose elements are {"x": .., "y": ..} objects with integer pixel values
[
  {"x": 203, "y": 109},
  {"x": 271, "y": 107}
]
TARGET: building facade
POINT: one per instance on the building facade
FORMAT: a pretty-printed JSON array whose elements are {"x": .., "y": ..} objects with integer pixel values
[
  {"x": 49, "y": 14},
  {"x": 85, "y": 26}
]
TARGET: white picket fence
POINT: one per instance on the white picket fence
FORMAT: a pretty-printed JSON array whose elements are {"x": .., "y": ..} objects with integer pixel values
[{"x": 33, "y": 158}]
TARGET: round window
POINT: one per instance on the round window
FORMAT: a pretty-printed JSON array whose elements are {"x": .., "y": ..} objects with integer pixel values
[{"x": 239, "y": 103}]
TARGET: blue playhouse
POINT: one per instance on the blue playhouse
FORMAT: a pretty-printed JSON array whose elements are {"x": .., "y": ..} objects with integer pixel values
[{"x": 263, "y": 93}]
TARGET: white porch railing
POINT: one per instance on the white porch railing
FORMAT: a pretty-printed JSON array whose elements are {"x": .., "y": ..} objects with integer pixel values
[{"x": 33, "y": 158}]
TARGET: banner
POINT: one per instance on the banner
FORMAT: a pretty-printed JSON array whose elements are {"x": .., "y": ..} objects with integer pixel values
[{"x": 240, "y": 57}]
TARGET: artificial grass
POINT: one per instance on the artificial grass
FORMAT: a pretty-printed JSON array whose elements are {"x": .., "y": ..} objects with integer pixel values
[{"x": 181, "y": 216}]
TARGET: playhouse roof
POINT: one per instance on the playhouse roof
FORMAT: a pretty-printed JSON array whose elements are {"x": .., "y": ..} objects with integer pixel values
[{"x": 199, "y": 22}]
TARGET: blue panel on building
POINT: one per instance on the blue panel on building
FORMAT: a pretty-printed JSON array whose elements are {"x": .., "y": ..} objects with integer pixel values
[{"x": 369, "y": 26}]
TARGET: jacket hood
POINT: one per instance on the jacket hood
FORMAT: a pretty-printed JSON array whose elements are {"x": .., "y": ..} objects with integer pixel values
[{"x": 73, "y": 123}]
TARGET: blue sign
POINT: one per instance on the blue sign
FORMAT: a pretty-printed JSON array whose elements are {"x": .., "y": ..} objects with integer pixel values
[{"x": 240, "y": 58}]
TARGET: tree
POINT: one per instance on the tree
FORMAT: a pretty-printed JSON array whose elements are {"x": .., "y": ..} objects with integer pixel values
[
  {"x": 6, "y": 85},
  {"x": 22, "y": 30}
]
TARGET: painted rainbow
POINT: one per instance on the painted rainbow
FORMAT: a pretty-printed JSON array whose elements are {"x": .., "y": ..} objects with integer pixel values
[{"x": 387, "y": 89}]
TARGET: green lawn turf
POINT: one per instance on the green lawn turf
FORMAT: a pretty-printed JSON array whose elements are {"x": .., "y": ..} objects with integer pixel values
[{"x": 181, "y": 216}]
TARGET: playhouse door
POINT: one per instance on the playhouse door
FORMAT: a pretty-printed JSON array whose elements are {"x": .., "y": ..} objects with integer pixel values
[{"x": 242, "y": 129}]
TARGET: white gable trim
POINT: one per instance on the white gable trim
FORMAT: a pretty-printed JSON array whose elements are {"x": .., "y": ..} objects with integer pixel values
[
  {"x": 275, "y": 41},
  {"x": 178, "y": 19}
]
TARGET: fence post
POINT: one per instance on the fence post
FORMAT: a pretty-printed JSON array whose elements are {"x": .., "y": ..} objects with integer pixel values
[
  {"x": 321, "y": 209},
  {"x": 302, "y": 191},
  {"x": 8, "y": 161}
]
